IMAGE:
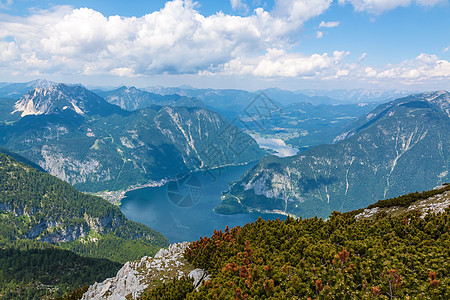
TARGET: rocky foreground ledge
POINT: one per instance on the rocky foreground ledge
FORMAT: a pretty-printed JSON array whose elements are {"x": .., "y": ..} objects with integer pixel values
[{"x": 136, "y": 276}]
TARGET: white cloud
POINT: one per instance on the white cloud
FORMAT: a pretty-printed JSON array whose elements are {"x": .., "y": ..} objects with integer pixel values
[
  {"x": 238, "y": 5},
  {"x": 300, "y": 10},
  {"x": 446, "y": 49},
  {"x": 342, "y": 73},
  {"x": 423, "y": 67},
  {"x": 279, "y": 63},
  {"x": 377, "y": 7},
  {"x": 361, "y": 58},
  {"x": 176, "y": 39},
  {"x": 319, "y": 34},
  {"x": 5, "y": 4},
  {"x": 8, "y": 51},
  {"x": 370, "y": 72},
  {"x": 329, "y": 24}
]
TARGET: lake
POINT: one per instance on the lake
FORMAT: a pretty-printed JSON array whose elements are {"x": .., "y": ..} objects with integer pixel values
[
  {"x": 182, "y": 210},
  {"x": 277, "y": 145}
]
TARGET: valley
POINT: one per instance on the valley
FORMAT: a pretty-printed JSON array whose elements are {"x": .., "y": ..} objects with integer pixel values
[
  {"x": 225, "y": 150},
  {"x": 153, "y": 207},
  {"x": 399, "y": 147},
  {"x": 187, "y": 167}
]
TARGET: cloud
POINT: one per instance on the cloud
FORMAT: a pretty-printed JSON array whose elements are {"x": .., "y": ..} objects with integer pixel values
[
  {"x": 446, "y": 49},
  {"x": 8, "y": 51},
  {"x": 279, "y": 63},
  {"x": 238, "y": 5},
  {"x": 361, "y": 58},
  {"x": 300, "y": 10},
  {"x": 5, "y": 4},
  {"x": 342, "y": 73},
  {"x": 422, "y": 67},
  {"x": 328, "y": 24},
  {"x": 179, "y": 40},
  {"x": 176, "y": 40},
  {"x": 377, "y": 7}
]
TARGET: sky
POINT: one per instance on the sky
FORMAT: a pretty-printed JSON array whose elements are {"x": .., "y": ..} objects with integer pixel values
[{"x": 243, "y": 44}]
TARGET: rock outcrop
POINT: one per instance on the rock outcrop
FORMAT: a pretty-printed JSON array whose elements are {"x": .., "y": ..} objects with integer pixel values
[
  {"x": 134, "y": 277},
  {"x": 432, "y": 205}
]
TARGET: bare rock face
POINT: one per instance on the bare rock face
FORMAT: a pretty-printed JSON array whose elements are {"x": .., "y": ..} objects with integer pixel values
[
  {"x": 398, "y": 147},
  {"x": 134, "y": 277},
  {"x": 432, "y": 205}
]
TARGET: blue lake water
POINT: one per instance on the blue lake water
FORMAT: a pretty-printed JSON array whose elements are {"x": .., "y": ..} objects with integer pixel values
[{"x": 183, "y": 210}]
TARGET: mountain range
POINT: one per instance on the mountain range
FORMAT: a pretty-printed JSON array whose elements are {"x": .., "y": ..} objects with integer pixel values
[
  {"x": 300, "y": 121},
  {"x": 54, "y": 238},
  {"x": 131, "y": 98},
  {"x": 399, "y": 147},
  {"x": 17, "y": 90},
  {"x": 79, "y": 137},
  {"x": 357, "y": 95}
]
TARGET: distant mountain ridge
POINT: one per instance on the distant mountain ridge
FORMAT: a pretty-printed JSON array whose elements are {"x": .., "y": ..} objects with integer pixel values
[
  {"x": 399, "y": 147},
  {"x": 358, "y": 95},
  {"x": 131, "y": 98},
  {"x": 436, "y": 100},
  {"x": 17, "y": 90},
  {"x": 79, "y": 137}
]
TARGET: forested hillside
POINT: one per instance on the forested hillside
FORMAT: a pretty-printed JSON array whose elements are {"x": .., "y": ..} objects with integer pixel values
[
  {"x": 41, "y": 215},
  {"x": 36, "y": 205},
  {"x": 32, "y": 270},
  {"x": 403, "y": 256}
]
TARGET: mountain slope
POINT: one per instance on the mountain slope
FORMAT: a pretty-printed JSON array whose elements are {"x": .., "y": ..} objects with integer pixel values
[
  {"x": 17, "y": 90},
  {"x": 401, "y": 251},
  {"x": 21, "y": 159},
  {"x": 32, "y": 270},
  {"x": 228, "y": 102},
  {"x": 400, "y": 147},
  {"x": 61, "y": 97},
  {"x": 131, "y": 98},
  {"x": 80, "y": 138},
  {"x": 6, "y": 109},
  {"x": 37, "y": 206}
]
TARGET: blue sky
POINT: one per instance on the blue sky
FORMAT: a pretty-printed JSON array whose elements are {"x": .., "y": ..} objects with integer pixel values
[{"x": 252, "y": 44}]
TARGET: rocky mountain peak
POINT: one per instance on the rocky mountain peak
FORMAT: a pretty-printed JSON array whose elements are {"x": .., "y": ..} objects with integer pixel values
[
  {"x": 43, "y": 83},
  {"x": 438, "y": 100},
  {"x": 441, "y": 99},
  {"x": 54, "y": 98}
]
